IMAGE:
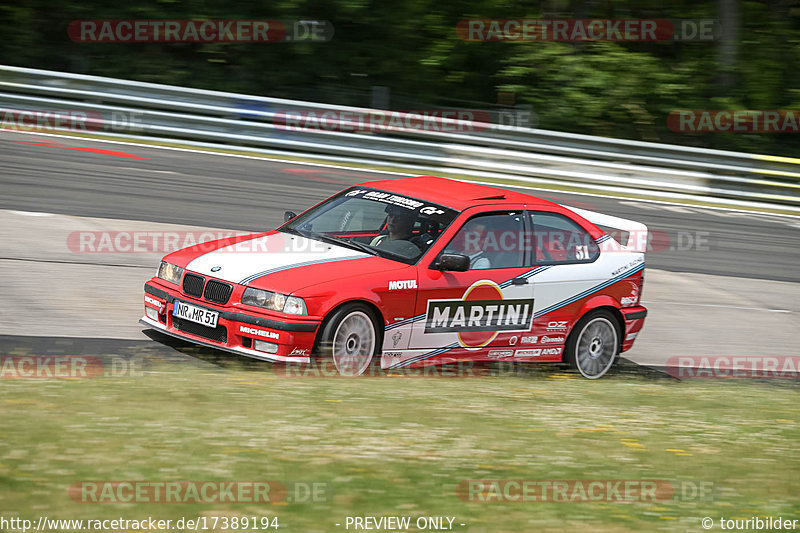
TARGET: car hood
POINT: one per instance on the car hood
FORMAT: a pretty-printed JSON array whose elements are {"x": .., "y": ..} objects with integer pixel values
[{"x": 246, "y": 261}]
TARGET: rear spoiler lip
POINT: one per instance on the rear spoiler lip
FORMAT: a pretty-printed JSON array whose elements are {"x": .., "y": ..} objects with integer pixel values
[{"x": 637, "y": 240}]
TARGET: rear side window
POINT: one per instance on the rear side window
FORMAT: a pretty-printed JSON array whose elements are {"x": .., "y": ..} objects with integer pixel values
[{"x": 558, "y": 240}]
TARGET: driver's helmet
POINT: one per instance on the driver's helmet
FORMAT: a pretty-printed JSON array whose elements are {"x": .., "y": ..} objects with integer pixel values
[
  {"x": 396, "y": 210},
  {"x": 475, "y": 233}
]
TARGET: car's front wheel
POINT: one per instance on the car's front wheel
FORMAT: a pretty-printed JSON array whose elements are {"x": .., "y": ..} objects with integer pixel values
[
  {"x": 350, "y": 338},
  {"x": 593, "y": 344}
]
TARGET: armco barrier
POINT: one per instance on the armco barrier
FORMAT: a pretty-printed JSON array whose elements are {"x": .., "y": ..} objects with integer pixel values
[{"x": 521, "y": 154}]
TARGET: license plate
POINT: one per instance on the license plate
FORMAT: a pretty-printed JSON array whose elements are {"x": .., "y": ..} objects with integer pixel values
[{"x": 189, "y": 312}]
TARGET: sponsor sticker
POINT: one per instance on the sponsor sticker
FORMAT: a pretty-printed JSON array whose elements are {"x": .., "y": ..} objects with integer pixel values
[
  {"x": 154, "y": 302},
  {"x": 631, "y": 299},
  {"x": 259, "y": 332},
  {"x": 403, "y": 284},
  {"x": 533, "y": 352},
  {"x": 479, "y": 315},
  {"x": 396, "y": 339},
  {"x": 557, "y": 325},
  {"x": 414, "y": 206}
]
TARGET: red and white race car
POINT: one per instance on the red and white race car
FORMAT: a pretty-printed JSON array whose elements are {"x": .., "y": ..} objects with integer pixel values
[{"x": 417, "y": 271}]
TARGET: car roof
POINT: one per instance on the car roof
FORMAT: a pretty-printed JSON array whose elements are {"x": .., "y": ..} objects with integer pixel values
[{"x": 456, "y": 194}]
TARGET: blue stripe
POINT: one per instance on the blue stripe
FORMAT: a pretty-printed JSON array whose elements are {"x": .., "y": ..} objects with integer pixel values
[
  {"x": 526, "y": 275},
  {"x": 253, "y": 277},
  {"x": 404, "y": 322},
  {"x": 588, "y": 292},
  {"x": 427, "y": 355}
]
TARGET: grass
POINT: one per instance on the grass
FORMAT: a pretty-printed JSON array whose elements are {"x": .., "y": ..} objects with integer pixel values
[{"x": 400, "y": 446}]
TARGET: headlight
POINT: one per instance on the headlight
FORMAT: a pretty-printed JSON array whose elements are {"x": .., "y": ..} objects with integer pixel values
[
  {"x": 274, "y": 301},
  {"x": 295, "y": 306},
  {"x": 170, "y": 273}
]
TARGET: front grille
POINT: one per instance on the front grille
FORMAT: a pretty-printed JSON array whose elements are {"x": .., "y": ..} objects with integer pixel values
[
  {"x": 219, "y": 333},
  {"x": 217, "y": 292},
  {"x": 193, "y": 285}
]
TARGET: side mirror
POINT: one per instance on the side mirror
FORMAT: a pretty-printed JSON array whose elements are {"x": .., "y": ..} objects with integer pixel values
[
  {"x": 456, "y": 262},
  {"x": 288, "y": 215}
]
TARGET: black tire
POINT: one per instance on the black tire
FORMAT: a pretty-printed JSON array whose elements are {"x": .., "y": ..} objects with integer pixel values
[
  {"x": 350, "y": 338},
  {"x": 593, "y": 345}
]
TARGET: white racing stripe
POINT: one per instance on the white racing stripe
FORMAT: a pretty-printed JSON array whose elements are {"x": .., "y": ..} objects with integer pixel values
[{"x": 248, "y": 260}]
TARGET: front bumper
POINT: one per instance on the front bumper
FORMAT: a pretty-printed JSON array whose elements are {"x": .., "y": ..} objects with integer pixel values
[{"x": 236, "y": 331}]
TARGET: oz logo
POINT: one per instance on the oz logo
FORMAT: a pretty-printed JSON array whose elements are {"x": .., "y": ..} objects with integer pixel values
[{"x": 479, "y": 315}]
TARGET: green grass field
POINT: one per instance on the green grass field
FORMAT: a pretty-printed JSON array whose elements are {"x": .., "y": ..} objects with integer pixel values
[{"x": 400, "y": 446}]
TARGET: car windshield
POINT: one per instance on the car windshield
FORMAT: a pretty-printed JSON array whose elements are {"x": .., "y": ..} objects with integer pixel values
[{"x": 378, "y": 222}]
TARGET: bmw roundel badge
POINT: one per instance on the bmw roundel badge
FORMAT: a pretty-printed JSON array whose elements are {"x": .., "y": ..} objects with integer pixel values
[{"x": 216, "y": 269}]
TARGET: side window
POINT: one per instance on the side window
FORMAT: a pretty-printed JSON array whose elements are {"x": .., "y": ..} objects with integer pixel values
[
  {"x": 491, "y": 241},
  {"x": 557, "y": 239}
]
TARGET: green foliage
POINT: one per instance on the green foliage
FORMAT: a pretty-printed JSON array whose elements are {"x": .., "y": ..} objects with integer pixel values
[{"x": 604, "y": 88}]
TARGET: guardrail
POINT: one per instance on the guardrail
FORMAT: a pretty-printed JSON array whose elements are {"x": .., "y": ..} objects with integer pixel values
[{"x": 520, "y": 154}]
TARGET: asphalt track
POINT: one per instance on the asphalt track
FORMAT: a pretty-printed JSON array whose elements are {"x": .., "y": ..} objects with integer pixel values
[
  {"x": 733, "y": 291},
  {"x": 52, "y": 175}
]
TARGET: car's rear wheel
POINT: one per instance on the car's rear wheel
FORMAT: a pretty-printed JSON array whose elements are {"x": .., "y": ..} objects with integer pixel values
[
  {"x": 350, "y": 338},
  {"x": 593, "y": 344}
]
